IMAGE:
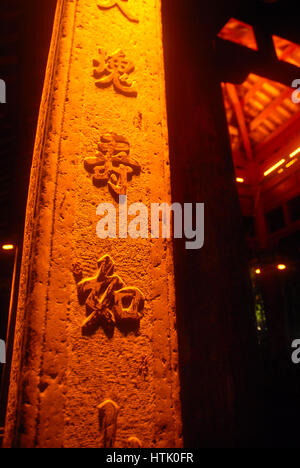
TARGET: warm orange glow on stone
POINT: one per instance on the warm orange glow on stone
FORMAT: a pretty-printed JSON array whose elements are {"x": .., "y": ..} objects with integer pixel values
[{"x": 115, "y": 119}]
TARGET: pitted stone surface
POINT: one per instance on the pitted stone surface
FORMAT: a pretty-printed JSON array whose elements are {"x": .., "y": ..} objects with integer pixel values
[{"x": 59, "y": 376}]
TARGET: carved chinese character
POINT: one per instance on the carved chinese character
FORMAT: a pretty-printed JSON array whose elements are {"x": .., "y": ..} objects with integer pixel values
[
  {"x": 144, "y": 367},
  {"x": 107, "y": 4},
  {"x": 127, "y": 303},
  {"x": 108, "y": 414},
  {"x": 113, "y": 164},
  {"x": 108, "y": 301},
  {"x": 134, "y": 442},
  {"x": 77, "y": 272},
  {"x": 114, "y": 70}
]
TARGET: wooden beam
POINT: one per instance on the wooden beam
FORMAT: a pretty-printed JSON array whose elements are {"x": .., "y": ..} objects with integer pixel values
[
  {"x": 239, "y": 160},
  {"x": 278, "y": 135},
  {"x": 241, "y": 119},
  {"x": 252, "y": 91},
  {"x": 288, "y": 51},
  {"x": 270, "y": 108}
]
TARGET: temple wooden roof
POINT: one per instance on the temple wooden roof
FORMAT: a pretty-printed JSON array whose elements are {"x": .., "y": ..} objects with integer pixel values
[{"x": 259, "y": 109}]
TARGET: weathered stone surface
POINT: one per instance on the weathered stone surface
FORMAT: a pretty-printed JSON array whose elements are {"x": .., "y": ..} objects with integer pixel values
[
  {"x": 134, "y": 442},
  {"x": 59, "y": 376},
  {"x": 108, "y": 417},
  {"x": 108, "y": 301}
]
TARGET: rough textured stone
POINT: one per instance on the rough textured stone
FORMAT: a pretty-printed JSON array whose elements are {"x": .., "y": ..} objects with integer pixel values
[{"x": 59, "y": 377}]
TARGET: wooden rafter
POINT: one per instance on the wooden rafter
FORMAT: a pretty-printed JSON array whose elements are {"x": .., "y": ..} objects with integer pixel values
[
  {"x": 270, "y": 108},
  {"x": 261, "y": 148},
  {"x": 233, "y": 95},
  {"x": 259, "y": 83},
  {"x": 252, "y": 91},
  {"x": 288, "y": 51}
]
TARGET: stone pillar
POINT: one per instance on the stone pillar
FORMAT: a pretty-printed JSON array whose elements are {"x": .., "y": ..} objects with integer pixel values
[{"x": 95, "y": 358}]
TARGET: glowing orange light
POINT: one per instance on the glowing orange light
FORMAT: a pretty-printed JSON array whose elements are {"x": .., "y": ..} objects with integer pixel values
[
  {"x": 297, "y": 151},
  {"x": 281, "y": 267},
  {"x": 273, "y": 168},
  {"x": 280, "y": 171},
  {"x": 284, "y": 49},
  {"x": 8, "y": 247},
  {"x": 240, "y": 33},
  {"x": 291, "y": 163},
  {"x": 240, "y": 180},
  {"x": 258, "y": 271}
]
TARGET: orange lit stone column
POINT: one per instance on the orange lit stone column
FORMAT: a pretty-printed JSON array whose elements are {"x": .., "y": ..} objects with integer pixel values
[{"x": 83, "y": 375}]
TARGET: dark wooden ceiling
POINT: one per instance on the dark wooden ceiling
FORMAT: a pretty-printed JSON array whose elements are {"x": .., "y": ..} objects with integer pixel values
[{"x": 259, "y": 109}]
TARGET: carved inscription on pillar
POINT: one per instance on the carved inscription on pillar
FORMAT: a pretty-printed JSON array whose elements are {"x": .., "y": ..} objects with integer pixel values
[
  {"x": 144, "y": 367},
  {"x": 109, "y": 302},
  {"x": 113, "y": 165},
  {"x": 114, "y": 70},
  {"x": 108, "y": 412},
  {"x": 134, "y": 442},
  {"x": 107, "y": 4},
  {"x": 108, "y": 415}
]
